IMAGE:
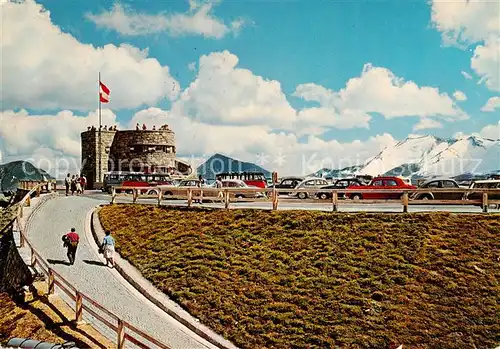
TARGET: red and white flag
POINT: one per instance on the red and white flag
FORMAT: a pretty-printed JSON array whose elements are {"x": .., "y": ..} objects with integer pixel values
[{"x": 104, "y": 93}]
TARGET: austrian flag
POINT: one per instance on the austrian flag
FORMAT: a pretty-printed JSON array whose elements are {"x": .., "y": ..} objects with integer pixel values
[{"x": 104, "y": 93}]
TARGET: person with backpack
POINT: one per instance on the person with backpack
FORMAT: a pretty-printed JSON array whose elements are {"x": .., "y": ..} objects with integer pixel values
[{"x": 71, "y": 241}]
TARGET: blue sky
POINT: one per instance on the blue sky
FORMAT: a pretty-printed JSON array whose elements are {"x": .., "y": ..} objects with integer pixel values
[
  {"x": 347, "y": 77},
  {"x": 296, "y": 42}
]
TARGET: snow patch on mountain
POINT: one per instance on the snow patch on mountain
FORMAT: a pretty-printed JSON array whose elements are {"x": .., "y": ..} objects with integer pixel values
[{"x": 438, "y": 157}]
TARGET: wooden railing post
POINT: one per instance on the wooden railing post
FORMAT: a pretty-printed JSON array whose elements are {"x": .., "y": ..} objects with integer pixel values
[
  {"x": 51, "y": 281},
  {"x": 226, "y": 199},
  {"x": 121, "y": 335},
  {"x": 33, "y": 258},
  {"x": 28, "y": 201},
  {"x": 134, "y": 195},
  {"x": 404, "y": 201},
  {"x": 485, "y": 202},
  {"x": 21, "y": 211},
  {"x": 38, "y": 189},
  {"x": 190, "y": 197},
  {"x": 113, "y": 195},
  {"x": 78, "y": 307},
  {"x": 335, "y": 198},
  {"x": 275, "y": 198},
  {"x": 201, "y": 195},
  {"x": 22, "y": 240},
  {"x": 160, "y": 197}
]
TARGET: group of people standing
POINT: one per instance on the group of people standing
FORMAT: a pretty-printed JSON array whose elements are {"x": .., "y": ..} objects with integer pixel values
[{"x": 74, "y": 184}]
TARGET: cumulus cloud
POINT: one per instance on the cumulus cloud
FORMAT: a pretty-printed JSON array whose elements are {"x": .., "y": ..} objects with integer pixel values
[
  {"x": 486, "y": 62},
  {"x": 378, "y": 90},
  {"x": 465, "y": 22},
  {"x": 198, "y": 21},
  {"x": 274, "y": 150},
  {"x": 224, "y": 93},
  {"x": 491, "y": 104},
  {"x": 426, "y": 123},
  {"x": 459, "y": 96},
  {"x": 45, "y": 68},
  {"x": 34, "y": 136},
  {"x": 491, "y": 131}
]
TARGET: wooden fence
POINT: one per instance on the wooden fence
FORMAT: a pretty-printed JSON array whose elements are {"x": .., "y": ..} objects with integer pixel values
[
  {"x": 270, "y": 195},
  {"x": 124, "y": 330}
]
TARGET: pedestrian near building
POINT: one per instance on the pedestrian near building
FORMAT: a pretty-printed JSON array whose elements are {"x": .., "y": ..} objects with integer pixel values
[
  {"x": 67, "y": 183},
  {"x": 218, "y": 184},
  {"x": 73, "y": 184},
  {"x": 71, "y": 241},
  {"x": 108, "y": 249}
]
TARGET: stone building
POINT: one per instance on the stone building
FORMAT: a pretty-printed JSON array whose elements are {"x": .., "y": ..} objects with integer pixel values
[{"x": 130, "y": 150}]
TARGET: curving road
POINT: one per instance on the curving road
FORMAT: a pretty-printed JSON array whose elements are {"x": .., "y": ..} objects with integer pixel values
[{"x": 106, "y": 286}]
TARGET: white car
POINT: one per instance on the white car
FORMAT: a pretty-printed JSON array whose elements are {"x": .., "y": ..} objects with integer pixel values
[
  {"x": 310, "y": 183},
  {"x": 237, "y": 183}
]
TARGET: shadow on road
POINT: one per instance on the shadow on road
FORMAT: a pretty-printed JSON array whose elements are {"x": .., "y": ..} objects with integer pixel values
[
  {"x": 100, "y": 264},
  {"x": 58, "y": 261}
]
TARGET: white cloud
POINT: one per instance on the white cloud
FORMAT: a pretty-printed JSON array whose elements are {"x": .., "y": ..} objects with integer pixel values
[
  {"x": 283, "y": 151},
  {"x": 459, "y": 96},
  {"x": 492, "y": 104},
  {"x": 486, "y": 62},
  {"x": 25, "y": 136},
  {"x": 466, "y": 75},
  {"x": 465, "y": 22},
  {"x": 378, "y": 90},
  {"x": 198, "y": 21},
  {"x": 192, "y": 66},
  {"x": 45, "y": 68},
  {"x": 316, "y": 121},
  {"x": 426, "y": 123},
  {"x": 491, "y": 131},
  {"x": 223, "y": 93}
]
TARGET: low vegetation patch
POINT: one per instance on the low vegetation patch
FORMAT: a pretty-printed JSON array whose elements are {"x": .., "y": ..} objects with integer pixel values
[{"x": 304, "y": 279}]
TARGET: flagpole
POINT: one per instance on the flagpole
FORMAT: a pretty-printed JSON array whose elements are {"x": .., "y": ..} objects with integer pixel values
[{"x": 99, "y": 140}]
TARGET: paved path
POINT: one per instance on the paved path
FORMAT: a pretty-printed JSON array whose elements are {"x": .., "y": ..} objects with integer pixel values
[{"x": 102, "y": 284}]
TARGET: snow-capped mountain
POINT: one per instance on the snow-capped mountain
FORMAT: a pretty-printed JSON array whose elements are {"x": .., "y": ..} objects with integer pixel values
[{"x": 432, "y": 156}]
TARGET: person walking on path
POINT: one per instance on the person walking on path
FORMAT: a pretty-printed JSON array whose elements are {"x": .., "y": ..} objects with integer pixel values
[
  {"x": 71, "y": 241},
  {"x": 67, "y": 183},
  {"x": 78, "y": 185},
  {"x": 108, "y": 249}
]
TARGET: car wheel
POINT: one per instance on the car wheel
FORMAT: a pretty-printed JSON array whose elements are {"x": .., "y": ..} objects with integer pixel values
[
  {"x": 356, "y": 197},
  {"x": 153, "y": 192},
  {"x": 323, "y": 196},
  {"x": 302, "y": 195},
  {"x": 426, "y": 197}
]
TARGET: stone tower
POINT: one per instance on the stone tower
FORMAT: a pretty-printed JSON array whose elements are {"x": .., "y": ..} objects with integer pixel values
[
  {"x": 90, "y": 155},
  {"x": 130, "y": 150}
]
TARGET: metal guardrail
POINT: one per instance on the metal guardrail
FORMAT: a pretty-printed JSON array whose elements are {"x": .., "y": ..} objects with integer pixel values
[
  {"x": 138, "y": 337},
  {"x": 228, "y": 195}
]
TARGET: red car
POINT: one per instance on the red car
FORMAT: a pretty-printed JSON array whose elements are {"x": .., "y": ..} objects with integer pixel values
[
  {"x": 146, "y": 180},
  {"x": 395, "y": 184}
]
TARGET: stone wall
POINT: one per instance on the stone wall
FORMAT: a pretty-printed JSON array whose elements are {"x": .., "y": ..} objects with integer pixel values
[
  {"x": 90, "y": 154},
  {"x": 129, "y": 150},
  {"x": 14, "y": 273},
  {"x": 136, "y": 150}
]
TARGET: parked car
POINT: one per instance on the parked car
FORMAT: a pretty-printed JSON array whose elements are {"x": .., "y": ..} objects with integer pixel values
[
  {"x": 339, "y": 184},
  {"x": 437, "y": 183},
  {"x": 310, "y": 183},
  {"x": 484, "y": 184},
  {"x": 287, "y": 183},
  {"x": 395, "y": 184},
  {"x": 237, "y": 183}
]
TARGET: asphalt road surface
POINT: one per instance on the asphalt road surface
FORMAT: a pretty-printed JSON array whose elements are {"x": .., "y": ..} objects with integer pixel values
[{"x": 296, "y": 204}]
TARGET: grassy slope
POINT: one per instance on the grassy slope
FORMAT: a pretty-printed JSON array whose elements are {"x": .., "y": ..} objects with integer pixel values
[{"x": 315, "y": 279}]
